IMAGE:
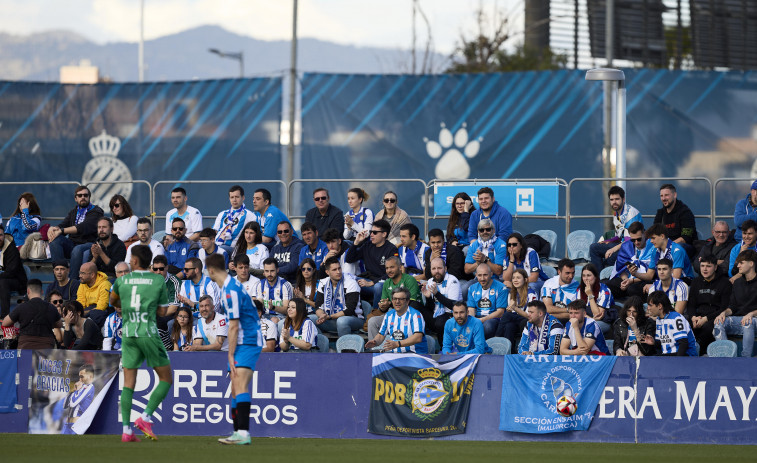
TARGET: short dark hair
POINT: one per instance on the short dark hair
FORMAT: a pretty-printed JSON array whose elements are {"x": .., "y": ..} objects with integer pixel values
[
  {"x": 242, "y": 259},
  {"x": 578, "y": 304},
  {"x": 179, "y": 189},
  {"x": 331, "y": 260},
  {"x": 35, "y": 285},
  {"x": 668, "y": 186},
  {"x": 749, "y": 224},
  {"x": 82, "y": 187},
  {"x": 271, "y": 260},
  {"x": 144, "y": 220},
  {"x": 383, "y": 225},
  {"x": 749, "y": 254},
  {"x": 660, "y": 298},
  {"x": 160, "y": 259},
  {"x": 616, "y": 190},
  {"x": 636, "y": 227},
  {"x": 266, "y": 194},
  {"x": 657, "y": 229},
  {"x": 436, "y": 232},
  {"x": 537, "y": 304},
  {"x": 196, "y": 262},
  {"x": 460, "y": 304},
  {"x": 321, "y": 189},
  {"x": 143, "y": 253},
  {"x": 665, "y": 261},
  {"x": 178, "y": 219},
  {"x": 486, "y": 190},
  {"x": 412, "y": 229},
  {"x": 208, "y": 233},
  {"x": 565, "y": 262},
  {"x": 237, "y": 188},
  {"x": 709, "y": 258},
  {"x": 307, "y": 226},
  {"x": 52, "y": 293},
  {"x": 106, "y": 219},
  {"x": 88, "y": 368},
  {"x": 331, "y": 234},
  {"x": 216, "y": 262}
]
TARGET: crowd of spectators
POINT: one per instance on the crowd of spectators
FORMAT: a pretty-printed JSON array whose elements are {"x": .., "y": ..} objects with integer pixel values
[{"x": 667, "y": 292}]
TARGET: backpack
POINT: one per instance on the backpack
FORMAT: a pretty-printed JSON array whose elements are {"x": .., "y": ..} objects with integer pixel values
[{"x": 538, "y": 244}]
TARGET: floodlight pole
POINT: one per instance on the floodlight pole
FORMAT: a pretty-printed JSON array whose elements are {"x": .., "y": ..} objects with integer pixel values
[
  {"x": 618, "y": 81},
  {"x": 235, "y": 56},
  {"x": 292, "y": 96}
]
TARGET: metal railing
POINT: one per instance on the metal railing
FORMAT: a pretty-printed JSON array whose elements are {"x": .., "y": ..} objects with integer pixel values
[
  {"x": 43, "y": 183},
  {"x": 362, "y": 180},
  {"x": 715, "y": 215},
  {"x": 155, "y": 215},
  {"x": 570, "y": 216},
  {"x": 105, "y": 197}
]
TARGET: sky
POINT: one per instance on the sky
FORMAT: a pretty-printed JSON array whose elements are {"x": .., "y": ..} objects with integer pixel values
[{"x": 381, "y": 23}]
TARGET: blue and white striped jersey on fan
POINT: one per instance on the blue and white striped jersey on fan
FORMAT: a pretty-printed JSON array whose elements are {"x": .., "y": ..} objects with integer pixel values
[
  {"x": 449, "y": 288},
  {"x": 194, "y": 292},
  {"x": 398, "y": 328},
  {"x": 672, "y": 328},
  {"x": 678, "y": 290}
]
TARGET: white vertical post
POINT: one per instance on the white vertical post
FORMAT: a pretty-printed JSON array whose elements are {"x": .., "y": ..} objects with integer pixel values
[
  {"x": 620, "y": 135},
  {"x": 141, "y": 48}
]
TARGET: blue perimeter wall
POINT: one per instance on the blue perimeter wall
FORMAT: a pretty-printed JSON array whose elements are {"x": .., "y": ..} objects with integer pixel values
[{"x": 675, "y": 400}]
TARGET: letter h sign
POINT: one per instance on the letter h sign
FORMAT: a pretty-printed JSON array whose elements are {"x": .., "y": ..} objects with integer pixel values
[{"x": 524, "y": 200}]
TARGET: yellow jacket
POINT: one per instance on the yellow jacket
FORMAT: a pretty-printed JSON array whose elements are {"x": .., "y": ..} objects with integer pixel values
[{"x": 98, "y": 294}]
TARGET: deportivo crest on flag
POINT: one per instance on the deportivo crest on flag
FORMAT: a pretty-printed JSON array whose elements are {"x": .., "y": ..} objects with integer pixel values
[{"x": 415, "y": 396}]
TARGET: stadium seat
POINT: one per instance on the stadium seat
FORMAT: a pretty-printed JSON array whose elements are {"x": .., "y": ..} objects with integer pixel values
[
  {"x": 323, "y": 343},
  {"x": 549, "y": 270},
  {"x": 551, "y": 238},
  {"x": 578, "y": 245},
  {"x": 610, "y": 346},
  {"x": 500, "y": 346},
  {"x": 722, "y": 348},
  {"x": 606, "y": 273},
  {"x": 433, "y": 345},
  {"x": 158, "y": 236},
  {"x": 350, "y": 342}
]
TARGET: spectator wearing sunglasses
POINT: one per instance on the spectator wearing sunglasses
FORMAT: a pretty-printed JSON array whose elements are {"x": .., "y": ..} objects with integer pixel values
[
  {"x": 287, "y": 252},
  {"x": 394, "y": 215},
  {"x": 490, "y": 209},
  {"x": 180, "y": 248},
  {"x": 324, "y": 215},
  {"x": 631, "y": 271},
  {"x": 76, "y": 233},
  {"x": 487, "y": 249}
]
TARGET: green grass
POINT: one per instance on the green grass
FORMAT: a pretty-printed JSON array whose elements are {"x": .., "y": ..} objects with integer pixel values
[{"x": 169, "y": 449}]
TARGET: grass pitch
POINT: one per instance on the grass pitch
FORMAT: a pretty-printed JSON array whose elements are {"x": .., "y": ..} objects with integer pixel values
[{"x": 169, "y": 449}]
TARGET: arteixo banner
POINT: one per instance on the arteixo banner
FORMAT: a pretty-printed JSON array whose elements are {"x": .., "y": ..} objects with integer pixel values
[{"x": 662, "y": 400}]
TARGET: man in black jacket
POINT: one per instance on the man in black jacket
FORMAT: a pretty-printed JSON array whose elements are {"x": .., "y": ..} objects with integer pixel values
[
  {"x": 37, "y": 319},
  {"x": 719, "y": 245},
  {"x": 373, "y": 253},
  {"x": 108, "y": 250},
  {"x": 324, "y": 215},
  {"x": 737, "y": 319},
  {"x": 12, "y": 273},
  {"x": 451, "y": 255},
  {"x": 81, "y": 227},
  {"x": 708, "y": 297},
  {"x": 677, "y": 219}
]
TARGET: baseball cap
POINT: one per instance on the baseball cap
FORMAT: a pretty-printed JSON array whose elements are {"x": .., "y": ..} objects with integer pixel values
[{"x": 754, "y": 185}]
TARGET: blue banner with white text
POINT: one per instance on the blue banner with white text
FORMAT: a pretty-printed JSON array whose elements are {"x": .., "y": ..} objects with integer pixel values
[
  {"x": 518, "y": 198},
  {"x": 8, "y": 372},
  {"x": 545, "y": 393}
]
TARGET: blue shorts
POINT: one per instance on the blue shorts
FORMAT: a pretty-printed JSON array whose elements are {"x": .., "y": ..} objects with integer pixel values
[{"x": 246, "y": 356}]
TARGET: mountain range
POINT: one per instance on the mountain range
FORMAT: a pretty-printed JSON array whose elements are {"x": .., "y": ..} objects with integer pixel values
[{"x": 185, "y": 56}]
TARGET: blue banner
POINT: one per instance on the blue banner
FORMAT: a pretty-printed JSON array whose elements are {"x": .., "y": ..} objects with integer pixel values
[
  {"x": 8, "y": 372},
  {"x": 519, "y": 199},
  {"x": 536, "y": 387},
  {"x": 414, "y": 396}
]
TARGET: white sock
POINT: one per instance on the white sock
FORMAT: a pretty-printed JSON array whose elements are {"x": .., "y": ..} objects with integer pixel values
[
  {"x": 127, "y": 429},
  {"x": 243, "y": 433},
  {"x": 146, "y": 417}
]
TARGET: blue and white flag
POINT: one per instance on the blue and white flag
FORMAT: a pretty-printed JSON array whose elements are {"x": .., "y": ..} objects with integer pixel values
[
  {"x": 533, "y": 385},
  {"x": 8, "y": 372},
  {"x": 414, "y": 396}
]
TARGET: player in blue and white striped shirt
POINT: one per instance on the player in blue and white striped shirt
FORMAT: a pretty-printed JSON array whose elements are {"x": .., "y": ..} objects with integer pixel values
[
  {"x": 245, "y": 344},
  {"x": 673, "y": 335},
  {"x": 403, "y": 327},
  {"x": 676, "y": 290}
]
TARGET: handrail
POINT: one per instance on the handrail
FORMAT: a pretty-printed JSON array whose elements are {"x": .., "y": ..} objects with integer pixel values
[
  {"x": 150, "y": 192},
  {"x": 715, "y": 215},
  {"x": 368, "y": 180},
  {"x": 56, "y": 182}
]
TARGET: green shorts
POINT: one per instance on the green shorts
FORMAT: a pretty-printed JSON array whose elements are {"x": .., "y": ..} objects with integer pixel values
[{"x": 136, "y": 350}]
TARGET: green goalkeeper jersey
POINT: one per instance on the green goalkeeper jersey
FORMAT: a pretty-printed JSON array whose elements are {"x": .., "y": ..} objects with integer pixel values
[{"x": 141, "y": 293}]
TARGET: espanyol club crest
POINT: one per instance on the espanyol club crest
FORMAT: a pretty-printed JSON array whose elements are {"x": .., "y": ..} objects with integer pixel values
[
  {"x": 429, "y": 393},
  {"x": 105, "y": 167}
]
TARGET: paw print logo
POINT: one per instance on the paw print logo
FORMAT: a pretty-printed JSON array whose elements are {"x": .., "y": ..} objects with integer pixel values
[{"x": 453, "y": 152}]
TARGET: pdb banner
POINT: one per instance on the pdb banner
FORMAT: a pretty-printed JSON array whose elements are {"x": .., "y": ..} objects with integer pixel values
[
  {"x": 67, "y": 389},
  {"x": 545, "y": 393},
  {"x": 414, "y": 396},
  {"x": 8, "y": 372}
]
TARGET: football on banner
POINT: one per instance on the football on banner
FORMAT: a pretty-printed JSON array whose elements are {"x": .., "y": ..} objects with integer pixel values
[{"x": 566, "y": 405}]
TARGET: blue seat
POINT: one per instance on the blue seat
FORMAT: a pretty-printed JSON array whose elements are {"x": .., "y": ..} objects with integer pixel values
[
  {"x": 610, "y": 346},
  {"x": 606, "y": 273},
  {"x": 722, "y": 348},
  {"x": 551, "y": 238},
  {"x": 549, "y": 270},
  {"x": 158, "y": 236},
  {"x": 499, "y": 346},
  {"x": 351, "y": 342},
  {"x": 323, "y": 343},
  {"x": 578, "y": 245}
]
